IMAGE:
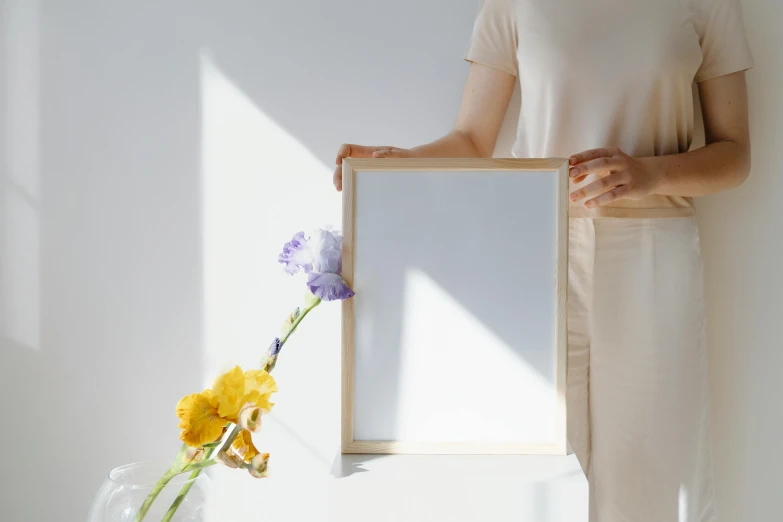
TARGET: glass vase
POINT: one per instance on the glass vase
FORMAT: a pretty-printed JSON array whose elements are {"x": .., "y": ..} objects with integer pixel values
[{"x": 125, "y": 489}]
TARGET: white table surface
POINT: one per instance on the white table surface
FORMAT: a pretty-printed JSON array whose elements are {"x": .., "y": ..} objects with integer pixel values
[{"x": 457, "y": 488}]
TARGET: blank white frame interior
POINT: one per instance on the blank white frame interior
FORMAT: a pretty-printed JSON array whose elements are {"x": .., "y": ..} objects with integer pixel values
[{"x": 456, "y": 339}]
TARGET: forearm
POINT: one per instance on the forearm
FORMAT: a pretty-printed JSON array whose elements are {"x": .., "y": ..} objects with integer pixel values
[
  {"x": 456, "y": 144},
  {"x": 718, "y": 166}
]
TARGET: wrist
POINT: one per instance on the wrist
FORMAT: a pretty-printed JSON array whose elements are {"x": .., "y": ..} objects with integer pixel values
[{"x": 658, "y": 173}]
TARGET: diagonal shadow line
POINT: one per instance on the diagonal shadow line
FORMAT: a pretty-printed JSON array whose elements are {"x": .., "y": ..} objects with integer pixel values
[
  {"x": 237, "y": 62},
  {"x": 345, "y": 465},
  {"x": 461, "y": 293},
  {"x": 294, "y": 435},
  {"x": 472, "y": 298}
]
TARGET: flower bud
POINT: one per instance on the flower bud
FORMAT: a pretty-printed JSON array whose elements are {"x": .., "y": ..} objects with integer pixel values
[
  {"x": 270, "y": 357},
  {"x": 274, "y": 348},
  {"x": 250, "y": 418},
  {"x": 194, "y": 455},
  {"x": 232, "y": 460},
  {"x": 258, "y": 465},
  {"x": 288, "y": 324},
  {"x": 268, "y": 363}
]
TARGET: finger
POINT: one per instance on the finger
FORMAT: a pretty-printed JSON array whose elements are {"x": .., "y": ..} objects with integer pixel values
[
  {"x": 392, "y": 152},
  {"x": 577, "y": 181},
  {"x": 620, "y": 192},
  {"x": 337, "y": 178},
  {"x": 351, "y": 150},
  {"x": 592, "y": 154},
  {"x": 604, "y": 163},
  {"x": 600, "y": 186}
]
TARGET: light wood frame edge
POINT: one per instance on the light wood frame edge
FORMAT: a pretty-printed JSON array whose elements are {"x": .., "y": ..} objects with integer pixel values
[
  {"x": 350, "y": 167},
  {"x": 392, "y": 447},
  {"x": 561, "y": 293},
  {"x": 454, "y": 164},
  {"x": 347, "y": 373}
]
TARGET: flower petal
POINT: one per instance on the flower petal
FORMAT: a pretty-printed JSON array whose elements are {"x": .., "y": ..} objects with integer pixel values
[
  {"x": 250, "y": 418},
  {"x": 230, "y": 389},
  {"x": 258, "y": 465},
  {"x": 297, "y": 254},
  {"x": 200, "y": 421},
  {"x": 261, "y": 400},
  {"x": 232, "y": 460},
  {"x": 243, "y": 446},
  {"x": 326, "y": 246},
  {"x": 260, "y": 381},
  {"x": 328, "y": 286}
]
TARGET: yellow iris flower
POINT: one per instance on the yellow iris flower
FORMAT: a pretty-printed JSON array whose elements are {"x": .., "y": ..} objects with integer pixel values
[
  {"x": 243, "y": 446},
  {"x": 200, "y": 421},
  {"x": 204, "y": 415},
  {"x": 237, "y": 389}
]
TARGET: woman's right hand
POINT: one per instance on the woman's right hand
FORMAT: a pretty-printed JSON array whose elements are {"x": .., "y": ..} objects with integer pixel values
[{"x": 349, "y": 150}]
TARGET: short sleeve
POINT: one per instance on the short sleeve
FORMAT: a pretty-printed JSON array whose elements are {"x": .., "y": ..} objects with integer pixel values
[
  {"x": 494, "y": 40},
  {"x": 724, "y": 45}
]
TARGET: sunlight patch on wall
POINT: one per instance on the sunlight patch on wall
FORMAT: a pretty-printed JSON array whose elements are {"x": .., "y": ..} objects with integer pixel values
[
  {"x": 683, "y": 503},
  {"x": 447, "y": 348},
  {"x": 260, "y": 185}
]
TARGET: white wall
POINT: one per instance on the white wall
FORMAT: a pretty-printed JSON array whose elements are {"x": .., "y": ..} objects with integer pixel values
[
  {"x": 742, "y": 244},
  {"x": 154, "y": 157}
]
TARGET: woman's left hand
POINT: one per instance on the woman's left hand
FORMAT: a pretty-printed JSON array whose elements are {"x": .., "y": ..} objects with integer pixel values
[{"x": 622, "y": 176}]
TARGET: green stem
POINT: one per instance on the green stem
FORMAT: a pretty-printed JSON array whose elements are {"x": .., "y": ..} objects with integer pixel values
[
  {"x": 299, "y": 320},
  {"x": 207, "y": 461},
  {"x": 200, "y": 465},
  {"x": 165, "y": 479},
  {"x": 231, "y": 437},
  {"x": 186, "y": 488},
  {"x": 197, "y": 471}
]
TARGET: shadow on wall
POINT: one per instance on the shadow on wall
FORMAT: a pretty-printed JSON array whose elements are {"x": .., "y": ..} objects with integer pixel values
[
  {"x": 20, "y": 259},
  {"x": 100, "y": 247},
  {"x": 317, "y": 95},
  {"x": 155, "y": 157},
  {"x": 742, "y": 250},
  {"x": 19, "y": 179}
]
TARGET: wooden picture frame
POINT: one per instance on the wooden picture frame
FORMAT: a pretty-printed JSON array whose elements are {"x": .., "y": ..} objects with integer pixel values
[{"x": 551, "y": 171}]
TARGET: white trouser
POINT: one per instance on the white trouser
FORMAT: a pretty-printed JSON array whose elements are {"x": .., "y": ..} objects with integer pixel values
[{"x": 638, "y": 403}]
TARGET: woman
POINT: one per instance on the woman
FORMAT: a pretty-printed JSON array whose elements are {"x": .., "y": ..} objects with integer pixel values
[{"x": 608, "y": 84}]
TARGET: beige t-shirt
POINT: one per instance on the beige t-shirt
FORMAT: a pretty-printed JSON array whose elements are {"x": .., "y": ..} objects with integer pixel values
[{"x": 597, "y": 73}]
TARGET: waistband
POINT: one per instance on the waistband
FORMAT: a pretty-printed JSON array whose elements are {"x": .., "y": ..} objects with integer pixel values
[{"x": 625, "y": 212}]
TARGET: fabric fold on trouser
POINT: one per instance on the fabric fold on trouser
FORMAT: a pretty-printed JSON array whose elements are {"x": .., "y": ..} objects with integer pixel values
[{"x": 638, "y": 403}]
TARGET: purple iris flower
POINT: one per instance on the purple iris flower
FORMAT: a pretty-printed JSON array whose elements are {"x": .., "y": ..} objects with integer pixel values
[
  {"x": 328, "y": 287},
  {"x": 296, "y": 254},
  {"x": 321, "y": 259}
]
